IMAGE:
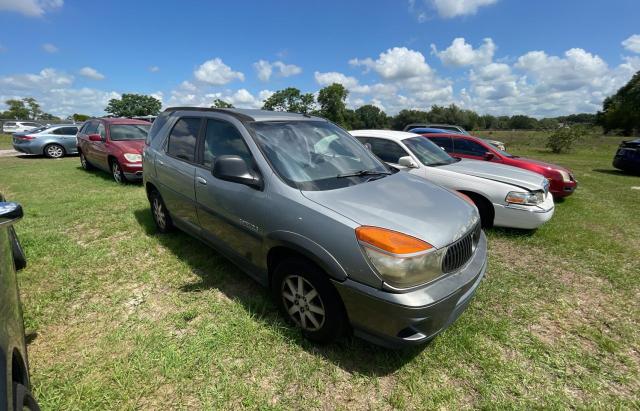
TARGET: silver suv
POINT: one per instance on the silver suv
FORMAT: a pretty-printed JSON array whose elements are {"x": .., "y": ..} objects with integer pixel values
[{"x": 343, "y": 241}]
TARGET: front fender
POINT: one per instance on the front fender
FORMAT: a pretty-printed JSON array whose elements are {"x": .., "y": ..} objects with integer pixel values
[{"x": 310, "y": 249}]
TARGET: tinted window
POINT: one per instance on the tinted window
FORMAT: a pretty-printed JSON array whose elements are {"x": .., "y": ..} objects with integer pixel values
[
  {"x": 119, "y": 132},
  {"x": 58, "y": 131},
  {"x": 182, "y": 140},
  {"x": 387, "y": 150},
  {"x": 464, "y": 146},
  {"x": 91, "y": 128},
  {"x": 10, "y": 124},
  {"x": 101, "y": 130},
  {"x": 444, "y": 142},
  {"x": 223, "y": 139},
  {"x": 428, "y": 152},
  {"x": 65, "y": 131},
  {"x": 156, "y": 126}
]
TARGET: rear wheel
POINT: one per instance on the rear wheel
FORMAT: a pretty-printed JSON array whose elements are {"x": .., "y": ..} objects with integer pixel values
[
  {"x": 161, "y": 216},
  {"x": 54, "y": 151},
  {"x": 23, "y": 399},
  {"x": 117, "y": 172},
  {"x": 84, "y": 163},
  {"x": 306, "y": 297}
]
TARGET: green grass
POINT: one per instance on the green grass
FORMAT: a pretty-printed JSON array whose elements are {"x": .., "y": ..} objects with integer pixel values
[
  {"x": 5, "y": 142},
  {"x": 125, "y": 318}
]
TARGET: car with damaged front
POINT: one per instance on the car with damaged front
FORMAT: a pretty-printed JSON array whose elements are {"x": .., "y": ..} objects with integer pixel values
[
  {"x": 505, "y": 196},
  {"x": 343, "y": 241}
]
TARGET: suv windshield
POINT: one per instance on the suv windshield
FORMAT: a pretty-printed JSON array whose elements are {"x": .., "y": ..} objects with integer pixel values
[
  {"x": 129, "y": 131},
  {"x": 316, "y": 155},
  {"x": 428, "y": 152}
]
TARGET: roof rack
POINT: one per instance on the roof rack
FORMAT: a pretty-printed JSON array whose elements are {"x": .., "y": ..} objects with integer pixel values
[{"x": 232, "y": 112}]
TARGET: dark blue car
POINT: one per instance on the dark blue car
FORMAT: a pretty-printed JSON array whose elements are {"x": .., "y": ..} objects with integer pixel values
[{"x": 627, "y": 157}]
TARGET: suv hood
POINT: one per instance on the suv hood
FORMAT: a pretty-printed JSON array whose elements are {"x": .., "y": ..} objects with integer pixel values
[
  {"x": 404, "y": 203},
  {"x": 499, "y": 172}
]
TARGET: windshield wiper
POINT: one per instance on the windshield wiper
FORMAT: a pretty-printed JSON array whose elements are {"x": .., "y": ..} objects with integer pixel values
[{"x": 360, "y": 173}]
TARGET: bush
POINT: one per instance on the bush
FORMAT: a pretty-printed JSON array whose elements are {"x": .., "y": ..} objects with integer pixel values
[{"x": 562, "y": 139}]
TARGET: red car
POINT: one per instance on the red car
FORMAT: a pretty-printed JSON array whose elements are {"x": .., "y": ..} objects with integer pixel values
[
  {"x": 113, "y": 145},
  {"x": 561, "y": 180}
]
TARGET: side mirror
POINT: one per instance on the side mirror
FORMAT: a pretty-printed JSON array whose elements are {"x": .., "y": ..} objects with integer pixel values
[
  {"x": 10, "y": 213},
  {"x": 367, "y": 146},
  {"x": 235, "y": 169},
  {"x": 407, "y": 161},
  {"x": 95, "y": 137},
  {"x": 488, "y": 155}
]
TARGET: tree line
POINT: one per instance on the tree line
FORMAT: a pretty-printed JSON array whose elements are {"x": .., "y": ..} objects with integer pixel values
[{"x": 620, "y": 112}]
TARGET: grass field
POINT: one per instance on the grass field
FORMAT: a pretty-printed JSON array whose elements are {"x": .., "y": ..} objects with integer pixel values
[
  {"x": 5, "y": 142},
  {"x": 124, "y": 318}
]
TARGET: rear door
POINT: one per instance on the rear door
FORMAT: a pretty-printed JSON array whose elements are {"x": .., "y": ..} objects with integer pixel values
[
  {"x": 229, "y": 213},
  {"x": 444, "y": 143},
  {"x": 175, "y": 169},
  {"x": 67, "y": 137}
]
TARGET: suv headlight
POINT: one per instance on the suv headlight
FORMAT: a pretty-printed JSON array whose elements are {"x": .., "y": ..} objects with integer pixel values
[
  {"x": 531, "y": 198},
  {"x": 403, "y": 261},
  {"x": 566, "y": 177},
  {"x": 132, "y": 157}
]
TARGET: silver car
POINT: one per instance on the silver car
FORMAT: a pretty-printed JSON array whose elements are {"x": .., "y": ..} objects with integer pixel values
[
  {"x": 51, "y": 141},
  {"x": 343, "y": 241}
]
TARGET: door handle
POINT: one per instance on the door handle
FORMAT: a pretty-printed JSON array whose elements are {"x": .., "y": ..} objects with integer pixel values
[
  {"x": 201, "y": 181},
  {"x": 161, "y": 162}
]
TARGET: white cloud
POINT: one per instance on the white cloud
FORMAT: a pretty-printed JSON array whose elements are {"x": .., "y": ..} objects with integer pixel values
[
  {"x": 241, "y": 98},
  {"x": 455, "y": 8},
  {"x": 326, "y": 79},
  {"x": 632, "y": 43},
  {"x": 48, "y": 47},
  {"x": 154, "y": 69},
  {"x": 90, "y": 72},
  {"x": 31, "y": 8},
  {"x": 396, "y": 63},
  {"x": 188, "y": 86},
  {"x": 217, "y": 73},
  {"x": 265, "y": 69},
  {"x": 47, "y": 78},
  {"x": 460, "y": 53}
]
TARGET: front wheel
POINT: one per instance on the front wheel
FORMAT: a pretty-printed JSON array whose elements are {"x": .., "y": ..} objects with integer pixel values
[
  {"x": 306, "y": 297},
  {"x": 84, "y": 163},
  {"x": 23, "y": 399},
  {"x": 54, "y": 151},
  {"x": 118, "y": 174}
]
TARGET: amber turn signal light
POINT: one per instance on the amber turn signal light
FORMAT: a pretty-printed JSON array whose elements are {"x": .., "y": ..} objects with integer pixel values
[{"x": 391, "y": 241}]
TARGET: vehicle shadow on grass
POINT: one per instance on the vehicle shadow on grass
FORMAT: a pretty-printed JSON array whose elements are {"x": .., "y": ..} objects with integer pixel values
[
  {"x": 616, "y": 172},
  {"x": 350, "y": 353},
  {"x": 107, "y": 176},
  {"x": 42, "y": 156}
]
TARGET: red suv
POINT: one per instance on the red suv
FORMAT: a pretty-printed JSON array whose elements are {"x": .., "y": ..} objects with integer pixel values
[
  {"x": 113, "y": 145},
  {"x": 561, "y": 180}
]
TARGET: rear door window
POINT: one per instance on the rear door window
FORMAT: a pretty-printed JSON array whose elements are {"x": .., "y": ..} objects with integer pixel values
[
  {"x": 468, "y": 147},
  {"x": 183, "y": 138},
  {"x": 386, "y": 150}
]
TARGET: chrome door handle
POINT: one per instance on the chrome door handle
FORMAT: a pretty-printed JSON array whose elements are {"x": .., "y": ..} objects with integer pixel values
[
  {"x": 201, "y": 181},
  {"x": 161, "y": 162}
]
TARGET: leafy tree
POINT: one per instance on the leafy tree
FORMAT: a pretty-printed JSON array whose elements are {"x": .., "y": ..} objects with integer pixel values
[
  {"x": 290, "y": 99},
  {"x": 131, "y": 105},
  {"x": 622, "y": 110},
  {"x": 79, "y": 117},
  {"x": 16, "y": 111},
  {"x": 47, "y": 116},
  {"x": 405, "y": 117},
  {"x": 332, "y": 103},
  {"x": 563, "y": 138},
  {"x": 522, "y": 122},
  {"x": 219, "y": 103},
  {"x": 548, "y": 124},
  {"x": 370, "y": 116},
  {"x": 33, "y": 107}
]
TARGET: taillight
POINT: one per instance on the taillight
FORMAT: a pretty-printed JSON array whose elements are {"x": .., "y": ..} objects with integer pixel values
[{"x": 26, "y": 137}]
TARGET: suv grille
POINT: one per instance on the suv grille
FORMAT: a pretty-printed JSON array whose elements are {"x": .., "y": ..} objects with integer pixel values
[{"x": 461, "y": 251}]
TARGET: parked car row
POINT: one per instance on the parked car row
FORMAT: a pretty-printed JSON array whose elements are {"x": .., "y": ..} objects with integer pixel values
[{"x": 377, "y": 231}]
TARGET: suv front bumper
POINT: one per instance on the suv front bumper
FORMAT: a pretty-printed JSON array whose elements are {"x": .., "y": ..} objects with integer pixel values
[{"x": 395, "y": 320}]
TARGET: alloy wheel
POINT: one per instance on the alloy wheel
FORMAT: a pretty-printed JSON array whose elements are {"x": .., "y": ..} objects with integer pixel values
[
  {"x": 55, "y": 151},
  {"x": 83, "y": 161},
  {"x": 158, "y": 213},
  {"x": 303, "y": 303},
  {"x": 117, "y": 175}
]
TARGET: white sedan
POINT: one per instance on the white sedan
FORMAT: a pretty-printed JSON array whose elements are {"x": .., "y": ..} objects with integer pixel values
[{"x": 505, "y": 196}]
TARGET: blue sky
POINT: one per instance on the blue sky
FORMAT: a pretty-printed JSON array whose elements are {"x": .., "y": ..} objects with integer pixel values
[{"x": 495, "y": 56}]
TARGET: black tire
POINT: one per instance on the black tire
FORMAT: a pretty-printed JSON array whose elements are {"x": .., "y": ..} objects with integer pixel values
[
  {"x": 117, "y": 173},
  {"x": 485, "y": 209},
  {"x": 328, "y": 326},
  {"x": 54, "y": 151},
  {"x": 161, "y": 216},
  {"x": 84, "y": 163},
  {"x": 23, "y": 399},
  {"x": 19, "y": 257}
]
